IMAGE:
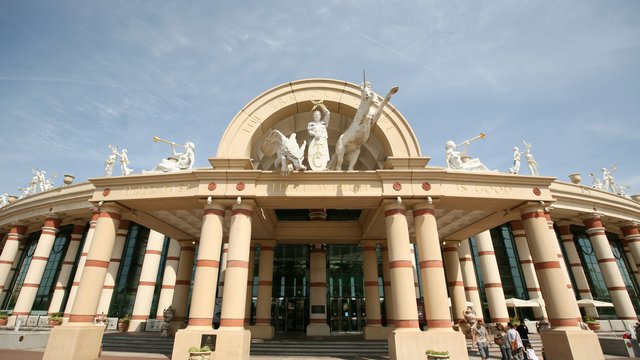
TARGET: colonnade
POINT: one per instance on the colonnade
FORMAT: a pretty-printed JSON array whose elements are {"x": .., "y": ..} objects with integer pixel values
[{"x": 538, "y": 250}]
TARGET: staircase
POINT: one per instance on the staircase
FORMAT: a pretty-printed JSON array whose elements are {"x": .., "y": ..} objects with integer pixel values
[
  {"x": 345, "y": 347},
  {"x": 149, "y": 343}
]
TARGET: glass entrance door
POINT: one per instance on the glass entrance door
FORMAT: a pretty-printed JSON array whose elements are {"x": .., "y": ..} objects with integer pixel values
[
  {"x": 290, "y": 315},
  {"x": 347, "y": 314}
]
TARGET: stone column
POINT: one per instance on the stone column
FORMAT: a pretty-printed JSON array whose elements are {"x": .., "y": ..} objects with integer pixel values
[
  {"x": 373, "y": 330},
  {"x": 526, "y": 263},
  {"x": 183, "y": 283},
  {"x": 249, "y": 302},
  {"x": 80, "y": 338},
  {"x": 632, "y": 241},
  {"x": 112, "y": 270},
  {"x": 263, "y": 328},
  {"x": 563, "y": 265},
  {"x": 36, "y": 269},
  {"x": 147, "y": 282},
  {"x": 455, "y": 283},
  {"x": 565, "y": 340},
  {"x": 205, "y": 279},
  {"x": 388, "y": 294},
  {"x": 318, "y": 291},
  {"x": 576, "y": 266},
  {"x": 80, "y": 266},
  {"x": 65, "y": 270},
  {"x": 404, "y": 340},
  {"x": 10, "y": 256},
  {"x": 610, "y": 271},
  {"x": 223, "y": 267},
  {"x": 492, "y": 280},
  {"x": 169, "y": 278},
  {"x": 415, "y": 271},
  {"x": 235, "y": 339},
  {"x": 440, "y": 334},
  {"x": 469, "y": 277}
]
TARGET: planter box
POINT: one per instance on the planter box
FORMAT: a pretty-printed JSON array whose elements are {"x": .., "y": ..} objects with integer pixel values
[{"x": 200, "y": 355}]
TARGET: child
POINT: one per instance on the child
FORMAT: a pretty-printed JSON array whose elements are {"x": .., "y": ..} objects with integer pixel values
[{"x": 531, "y": 354}]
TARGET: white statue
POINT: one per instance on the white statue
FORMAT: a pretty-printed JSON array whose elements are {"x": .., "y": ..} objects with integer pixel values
[
  {"x": 318, "y": 152},
  {"x": 368, "y": 113},
  {"x": 33, "y": 184},
  {"x": 4, "y": 200},
  {"x": 609, "y": 184},
  {"x": 597, "y": 184},
  {"x": 286, "y": 151},
  {"x": 124, "y": 163},
  {"x": 25, "y": 192},
  {"x": 515, "y": 169},
  {"x": 622, "y": 190},
  {"x": 531, "y": 161},
  {"x": 42, "y": 181},
  {"x": 454, "y": 159},
  {"x": 178, "y": 160},
  {"x": 48, "y": 184},
  {"x": 111, "y": 160}
]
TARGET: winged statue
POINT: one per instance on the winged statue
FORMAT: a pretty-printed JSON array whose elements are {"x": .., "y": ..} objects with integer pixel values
[{"x": 288, "y": 154}]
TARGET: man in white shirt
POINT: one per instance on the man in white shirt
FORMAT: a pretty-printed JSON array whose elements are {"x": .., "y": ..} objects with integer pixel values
[{"x": 517, "y": 349}]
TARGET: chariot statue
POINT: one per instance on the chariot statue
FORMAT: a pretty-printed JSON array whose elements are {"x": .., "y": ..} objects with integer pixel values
[{"x": 289, "y": 154}]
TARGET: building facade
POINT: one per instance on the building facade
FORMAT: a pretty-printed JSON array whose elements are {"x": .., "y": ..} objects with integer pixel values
[{"x": 394, "y": 249}]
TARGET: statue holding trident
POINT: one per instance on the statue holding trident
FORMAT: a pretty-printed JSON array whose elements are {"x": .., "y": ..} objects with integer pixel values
[
  {"x": 318, "y": 151},
  {"x": 368, "y": 113}
]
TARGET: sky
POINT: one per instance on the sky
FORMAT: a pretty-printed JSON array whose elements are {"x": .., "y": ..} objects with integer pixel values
[{"x": 77, "y": 76}]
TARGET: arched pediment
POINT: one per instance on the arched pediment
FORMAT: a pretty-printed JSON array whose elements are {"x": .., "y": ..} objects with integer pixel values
[{"x": 287, "y": 107}]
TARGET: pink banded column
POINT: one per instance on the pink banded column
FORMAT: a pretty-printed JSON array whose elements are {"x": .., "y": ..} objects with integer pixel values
[
  {"x": 183, "y": 282},
  {"x": 147, "y": 282},
  {"x": 263, "y": 328},
  {"x": 169, "y": 278},
  {"x": 610, "y": 271},
  {"x": 65, "y": 270},
  {"x": 24, "y": 304},
  {"x": 371, "y": 292},
  {"x": 563, "y": 265},
  {"x": 79, "y": 338},
  {"x": 80, "y": 267},
  {"x": 249, "y": 302},
  {"x": 632, "y": 241},
  {"x": 528, "y": 270},
  {"x": 9, "y": 256},
  {"x": 400, "y": 268},
  {"x": 492, "y": 280},
  {"x": 576, "y": 266},
  {"x": 455, "y": 283},
  {"x": 235, "y": 290},
  {"x": 112, "y": 270},
  {"x": 204, "y": 283},
  {"x": 388, "y": 294},
  {"x": 469, "y": 277},
  {"x": 434, "y": 283},
  {"x": 223, "y": 267}
]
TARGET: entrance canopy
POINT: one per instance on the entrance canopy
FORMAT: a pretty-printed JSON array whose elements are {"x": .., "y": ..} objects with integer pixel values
[
  {"x": 593, "y": 303},
  {"x": 516, "y": 303}
]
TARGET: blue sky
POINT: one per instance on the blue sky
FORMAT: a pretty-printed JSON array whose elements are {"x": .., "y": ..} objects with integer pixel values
[{"x": 76, "y": 76}]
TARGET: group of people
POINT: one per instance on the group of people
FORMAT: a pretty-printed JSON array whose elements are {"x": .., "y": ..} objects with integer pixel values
[{"x": 513, "y": 341}]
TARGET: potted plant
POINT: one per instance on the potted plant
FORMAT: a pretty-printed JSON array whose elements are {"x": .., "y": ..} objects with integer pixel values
[
  {"x": 55, "y": 319},
  {"x": 4, "y": 318},
  {"x": 123, "y": 322},
  {"x": 199, "y": 353},
  {"x": 434, "y": 354},
  {"x": 592, "y": 323}
]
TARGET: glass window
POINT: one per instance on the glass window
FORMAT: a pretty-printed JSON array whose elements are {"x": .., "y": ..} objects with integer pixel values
[
  {"x": 23, "y": 265},
  {"x": 48, "y": 282}
]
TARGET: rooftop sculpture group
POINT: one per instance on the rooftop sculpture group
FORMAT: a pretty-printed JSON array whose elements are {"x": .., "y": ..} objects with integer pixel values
[
  {"x": 177, "y": 161},
  {"x": 531, "y": 161},
  {"x": 40, "y": 180},
  {"x": 111, "y": 160},
  {"x": 608, "y": 183},
  {"x": 460, "y": 160}
]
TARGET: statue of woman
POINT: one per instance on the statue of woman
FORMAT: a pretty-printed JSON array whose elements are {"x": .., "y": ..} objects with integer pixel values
[
  {"x": 318, "y": 151},
  {"x": 454, "y": 160}
]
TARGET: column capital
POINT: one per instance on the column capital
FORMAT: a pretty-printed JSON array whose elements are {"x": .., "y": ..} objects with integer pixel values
[
  {"x": 394, "y": 208},
  {"x": 423, "y": 208},
  {"x": 629, "y": 228},
  {"x": 532, "y": 208},
  {"x": 110, "y": 208},
  {"x": 244, "y": 208}
]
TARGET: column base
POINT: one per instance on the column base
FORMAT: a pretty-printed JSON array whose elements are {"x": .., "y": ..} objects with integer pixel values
[
  {"x": 318, "y": 330},
  {"x": 230, "y": 343},
  {"x": 570, "y": 344},
  {"x": 74, "y": 342},
  {"x": 413, "y": 344},
  {"x": 376, "y": 332},
  {"x": 262, "y": 331}
]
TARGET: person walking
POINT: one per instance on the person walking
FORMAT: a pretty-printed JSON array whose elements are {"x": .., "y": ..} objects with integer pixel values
[
  {"x": 501, "y": 340},
  {"x": 515, "y": 341},
  {"x": 523, "y": 331},
  {"x": 480, "y": 337}
]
